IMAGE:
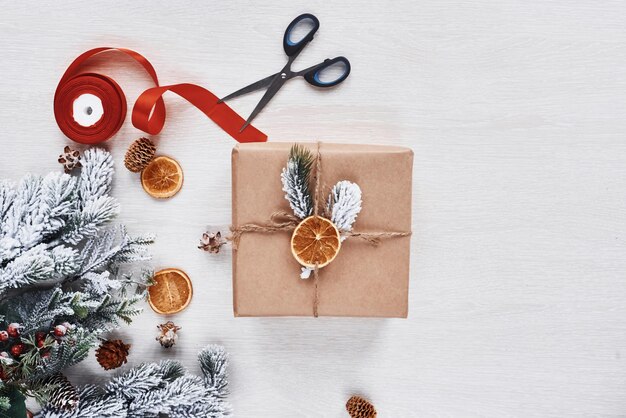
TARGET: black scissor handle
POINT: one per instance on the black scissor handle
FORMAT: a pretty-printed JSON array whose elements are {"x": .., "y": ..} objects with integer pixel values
[
  {"x": 292, "y": 48},
  {"x": 313, "y": 76}
]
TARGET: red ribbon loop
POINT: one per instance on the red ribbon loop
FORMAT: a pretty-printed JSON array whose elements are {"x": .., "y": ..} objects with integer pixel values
[{"x": 201, "y": 98}]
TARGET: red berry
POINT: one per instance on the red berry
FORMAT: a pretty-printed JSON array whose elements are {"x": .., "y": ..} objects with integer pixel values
[
  {"x": 14, "y": 330},
  {"x": 46, "y": 355},
  {"x": 40, "y": 338},
  {"x": 60, "y": 330},
  {"x": 4, "y": 336},
  {"x": 17, "y": 349}
]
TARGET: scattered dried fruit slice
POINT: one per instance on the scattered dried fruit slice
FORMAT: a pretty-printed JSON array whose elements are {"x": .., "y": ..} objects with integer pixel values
[
  {"x": 162, "y": 178},
  {"x": 171, "y": 291},
  {"x": 315, "y": 241}
]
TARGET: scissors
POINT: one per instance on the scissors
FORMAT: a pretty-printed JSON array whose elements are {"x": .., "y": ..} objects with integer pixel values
[{"x": 312, "y": 75}]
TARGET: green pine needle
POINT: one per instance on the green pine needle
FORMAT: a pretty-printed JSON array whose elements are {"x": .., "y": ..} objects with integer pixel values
[{"x": 303, "y": 158}]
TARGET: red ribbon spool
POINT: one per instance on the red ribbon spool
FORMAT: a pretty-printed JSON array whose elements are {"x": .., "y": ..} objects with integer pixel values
[
  {"x": 113, "y": 103},
  {"x": 149, "y": 111},
  {"x": 73, "y": 85}
]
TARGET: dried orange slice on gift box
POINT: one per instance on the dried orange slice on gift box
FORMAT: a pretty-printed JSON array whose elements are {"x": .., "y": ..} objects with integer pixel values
[
  {"x": 315, "y": 241},
  {"x": 171, "y": 291},
  {"x": 162, "y": 178}
]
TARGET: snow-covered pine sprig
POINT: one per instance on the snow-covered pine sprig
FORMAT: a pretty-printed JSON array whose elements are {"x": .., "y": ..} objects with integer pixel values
[
  {"x": 344, "y": 204},
  {"x": 295, "y": 178},
  {"x": 158, "y": 389}
]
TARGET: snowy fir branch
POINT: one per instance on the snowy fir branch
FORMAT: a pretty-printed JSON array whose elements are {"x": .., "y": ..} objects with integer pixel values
[
  {"x": 295, "y": 178},
  {"x": 60, "y": 280},
  {"x": 344, "y": 204},
  {"x": 213, "y": 363},
  {"x": 156, "y": 390}
]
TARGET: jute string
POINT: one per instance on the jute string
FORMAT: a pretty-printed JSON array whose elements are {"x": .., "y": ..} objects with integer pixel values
[
  {"x": 316, "y": 195},
  {"x": 283, "y": 221}
]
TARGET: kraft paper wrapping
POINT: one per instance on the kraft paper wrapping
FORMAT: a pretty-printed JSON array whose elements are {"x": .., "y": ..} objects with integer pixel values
[{"x": 364, "y": 280}]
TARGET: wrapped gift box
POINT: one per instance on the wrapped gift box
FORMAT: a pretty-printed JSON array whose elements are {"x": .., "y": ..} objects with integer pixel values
[{"x": 364, "y": 279}]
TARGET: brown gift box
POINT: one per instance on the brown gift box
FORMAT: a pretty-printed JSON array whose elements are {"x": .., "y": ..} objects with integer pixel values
[{"x": 364, "y": 279}]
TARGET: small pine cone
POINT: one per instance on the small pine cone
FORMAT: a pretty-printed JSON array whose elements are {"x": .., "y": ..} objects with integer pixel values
[
  {"x": 112, "y": 354},
  {"x": 360, "y": 408},
  {"x": 70, "y": 159},
  {"x": 63, "y": 396},
  {"x": 139, "y": 154},
  {"x": 167, "y": 334},
  {"x": 212, "y": 242}
]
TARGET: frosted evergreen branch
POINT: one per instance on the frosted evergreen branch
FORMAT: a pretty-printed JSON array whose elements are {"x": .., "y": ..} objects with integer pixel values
[
  {"x": 101, "y": 283},
  {"x": 38, "y": 265},
  {"x": 7, "y": 197},
  {"x": 94, "y": 214},
  {"x": 114, "y": 247},
  {"x": 344, "y": 204},
  {"x": 58, "y": 203},
  {"x": 96, "y": 175},
  {"x": 155, "y": 390},
  {"x": 18, "y": 221},
  {"x": 214, "y": 365},
  {"x": 144, "y": 378},
  {"x": 34, "y": 265},
  {"x": 295, "y": 178}
]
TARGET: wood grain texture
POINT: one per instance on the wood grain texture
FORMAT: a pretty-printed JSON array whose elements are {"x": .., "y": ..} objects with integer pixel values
[{"x": 516, "y": 112}]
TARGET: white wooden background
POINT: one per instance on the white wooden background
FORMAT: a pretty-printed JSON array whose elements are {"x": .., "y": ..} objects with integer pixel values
[{"x": 516, "y": 111}]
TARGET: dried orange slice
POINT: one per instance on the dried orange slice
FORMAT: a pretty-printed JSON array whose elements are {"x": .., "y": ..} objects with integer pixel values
[
  {"x": 162, "y": 178},
  {"x": 171, "y": 291},
  {"x": 315, "y": 241}
]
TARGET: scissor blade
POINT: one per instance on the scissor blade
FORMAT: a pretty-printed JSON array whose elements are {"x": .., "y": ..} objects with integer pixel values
[
  {"x": 271, "y": 91},
  {"x": 250, "y": 88}
]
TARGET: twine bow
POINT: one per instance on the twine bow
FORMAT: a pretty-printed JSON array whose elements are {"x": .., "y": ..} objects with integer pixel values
[{"x": 283, "y": 221}]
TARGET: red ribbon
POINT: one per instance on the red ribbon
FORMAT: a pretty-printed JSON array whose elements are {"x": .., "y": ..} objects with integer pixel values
[
  {"x": 201, "y": 98},
  {"x": 149, "y": 110}
]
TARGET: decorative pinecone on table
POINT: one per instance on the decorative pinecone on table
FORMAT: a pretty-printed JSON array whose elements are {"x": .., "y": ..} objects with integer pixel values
[
  {"x": 211, "y": 242},
  {"x": 70, "y": 159},
  {"x": 63, "y": 396},
  {"x": 139, "y": 154},
  {"x": 112, "y": 354},
  {"x": 359, "y": 407},
  {"x": 167, "y": 334}
]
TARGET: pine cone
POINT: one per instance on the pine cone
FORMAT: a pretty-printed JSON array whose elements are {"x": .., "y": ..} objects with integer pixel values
[
  {"x": 167, "y": 334},
  {"x": 70, "y": 159},
  {"x": 360, "y": 408},
  {"x": 212, "y": 242},
  {"x": 63, "y": 396},
  {"x": 112, "y": 354},
  {"x": 139, "y": 154}
]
